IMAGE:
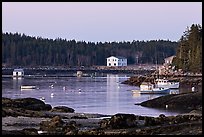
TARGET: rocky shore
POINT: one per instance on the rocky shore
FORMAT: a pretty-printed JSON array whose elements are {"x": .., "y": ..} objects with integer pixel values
[
  {"x": 184, "y": 81},
  {"x": 30, "y": 116}
]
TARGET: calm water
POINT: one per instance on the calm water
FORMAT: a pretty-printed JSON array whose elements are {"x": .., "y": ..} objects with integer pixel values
[{"x": 104, "y": 95}]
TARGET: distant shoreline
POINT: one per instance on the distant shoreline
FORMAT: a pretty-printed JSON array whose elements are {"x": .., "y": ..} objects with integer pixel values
[{"x": 57, "y": 71}]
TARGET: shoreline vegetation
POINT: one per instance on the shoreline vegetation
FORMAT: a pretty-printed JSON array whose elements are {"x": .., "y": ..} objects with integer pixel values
[{"x": 30, "y": 116}]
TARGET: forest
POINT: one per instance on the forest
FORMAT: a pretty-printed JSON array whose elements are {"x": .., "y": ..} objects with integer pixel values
[
  {"x": 22, "y": 50},
  {"x": 189, "y": 52}
]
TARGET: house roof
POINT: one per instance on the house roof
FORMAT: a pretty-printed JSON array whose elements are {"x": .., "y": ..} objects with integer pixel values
[
  {"x": 169, "y": 58},
  {"x": 145, "y": 83},
  {"x": 19, "y": 70},
  {"x": 119, "y": 57}
]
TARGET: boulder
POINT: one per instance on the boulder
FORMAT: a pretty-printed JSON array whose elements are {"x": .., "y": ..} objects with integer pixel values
[
  {"x": 119, "y": 121},
  {"x": 39, "y": 107},
  {"x": 62, "y": 109},
  {"x": 54, "y": 123},
  {"x": 56, "y": 126},
  {"x": 30, "y": 131},
  {"x": 26, "y": 103}
]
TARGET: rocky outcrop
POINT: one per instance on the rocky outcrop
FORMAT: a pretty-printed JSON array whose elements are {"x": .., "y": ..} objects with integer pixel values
[
  {"x": 137, "y": 80},
  {"x": 56, "y": 126},
  {"x": 184, "y": 101},
  {"x": 26, "y": 131},
  {"x": 119, "y": 121},
  {"x": 62, "y": 109},
  {"x": 26, "y": 103},
  {"x": 30, "y": 107},
  {"x": 145, "y": 125}
]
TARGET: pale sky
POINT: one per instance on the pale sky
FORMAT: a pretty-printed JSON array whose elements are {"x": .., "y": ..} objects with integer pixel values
[{"x": 101, "y": 21}]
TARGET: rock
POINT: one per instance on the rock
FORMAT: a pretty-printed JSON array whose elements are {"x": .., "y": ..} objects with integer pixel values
[
  {"x": 71, "y": 128},
  {"x": 58, "y": 127},
  {"x": 22, "y": 112},
  {"x": 30, "y": 131},
  {"x": 6, "y": 102},
  {"x": 79, "y": 117},
  {"x": 39, "y": 107},
  {"x": 91, "y": 132},
  {"x": 62, "y": 109},
  {"x": 12, "y": 132},
  {"x": 184, "y": 101},
  {"x": 52, "y": 125},
  {"x": 119, "y": 121},
  {"x": 137, "y": 80},
  {"x": 104, "y": 123},
  {"x": 26, "y": 103}
]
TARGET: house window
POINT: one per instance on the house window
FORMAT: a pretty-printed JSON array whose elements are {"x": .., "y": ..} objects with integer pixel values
[
  {"x": 108, "y": 59},
  {"x": 114, "y": 64},
  {"x": 109, "y": 64}
]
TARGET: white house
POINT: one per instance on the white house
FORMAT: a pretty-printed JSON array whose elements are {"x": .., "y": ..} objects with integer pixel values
[
  {"x": 166, "y": 67},
  {"x": 18, "y": 73},
  {"x": 169, "y": 60},
  {"x": 116, "y": 61}
]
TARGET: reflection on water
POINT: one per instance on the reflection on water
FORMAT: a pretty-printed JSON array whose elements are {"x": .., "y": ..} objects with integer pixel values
[
  {"x": 136, "y": 94},
  {"x": 105, "y": 95}
]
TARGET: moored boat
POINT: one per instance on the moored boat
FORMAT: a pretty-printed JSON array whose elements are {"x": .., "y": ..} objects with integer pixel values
[
  {"x": 148, "y": 88},
  {"x": 164, "y": 83},
  {"x": 28, "y": 87}
]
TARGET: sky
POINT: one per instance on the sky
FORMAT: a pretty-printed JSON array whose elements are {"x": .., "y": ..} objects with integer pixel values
[{"x": 101, "y": 21}]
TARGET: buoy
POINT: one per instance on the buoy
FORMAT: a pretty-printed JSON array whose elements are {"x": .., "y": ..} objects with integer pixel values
[
  {"x": 193, "y": 89},
  {"x": 79, "y": 90},
  {"x": 52, "y": 94},
  {"x": 166, "y": 106},
  {"x": 51, "y": 85},
  {"x": 42, "y": 98}
]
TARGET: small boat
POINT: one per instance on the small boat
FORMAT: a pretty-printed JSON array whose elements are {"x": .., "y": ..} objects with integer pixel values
[
  {"x": 167, "y": 84},
  {"x": 28, "y": 87},
  {"x": 148, "y": 88}
]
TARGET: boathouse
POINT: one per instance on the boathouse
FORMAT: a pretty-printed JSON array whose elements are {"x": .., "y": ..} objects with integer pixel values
[
  {"x": 18, "y": 73},
  {"x": 116, "y": 61}
]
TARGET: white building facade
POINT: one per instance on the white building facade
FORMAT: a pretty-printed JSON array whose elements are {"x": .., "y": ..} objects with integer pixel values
[
  {"x": 116, "y": 61},
  {"x": 18, "y": 73}
]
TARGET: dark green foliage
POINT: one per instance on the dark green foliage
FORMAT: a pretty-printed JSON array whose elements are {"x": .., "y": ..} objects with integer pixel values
[
  {"x": 21, "y": 50},
  {"x": 189, "y": 52}
]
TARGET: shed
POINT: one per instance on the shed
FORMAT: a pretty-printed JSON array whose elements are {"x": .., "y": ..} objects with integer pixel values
[{"x": 18, "y": 73}]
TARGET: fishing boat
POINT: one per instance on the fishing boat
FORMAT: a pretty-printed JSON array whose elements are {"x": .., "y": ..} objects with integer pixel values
[
  {"x": 164, "y": 83},
  {"x": 148, "y": 88},
  {"x": 28, "y": 87}
]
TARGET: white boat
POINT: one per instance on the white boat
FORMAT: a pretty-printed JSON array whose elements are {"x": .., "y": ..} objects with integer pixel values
[
  {"x": 28, "y": 87},
  {"x": 164, "y": 83},
  {"x": 148, "y": 88}
]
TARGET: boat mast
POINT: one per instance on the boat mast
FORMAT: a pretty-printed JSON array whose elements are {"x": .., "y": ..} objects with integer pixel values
[{"x": 157, "y": 71}]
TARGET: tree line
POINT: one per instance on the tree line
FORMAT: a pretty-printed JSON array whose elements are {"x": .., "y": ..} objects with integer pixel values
[
  {"x": 189, "y": 52},
  {"x": 22, "y": 50}
]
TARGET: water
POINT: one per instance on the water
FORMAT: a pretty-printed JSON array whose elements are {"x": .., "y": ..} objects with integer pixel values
[{"x": 104, "y": 95}]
